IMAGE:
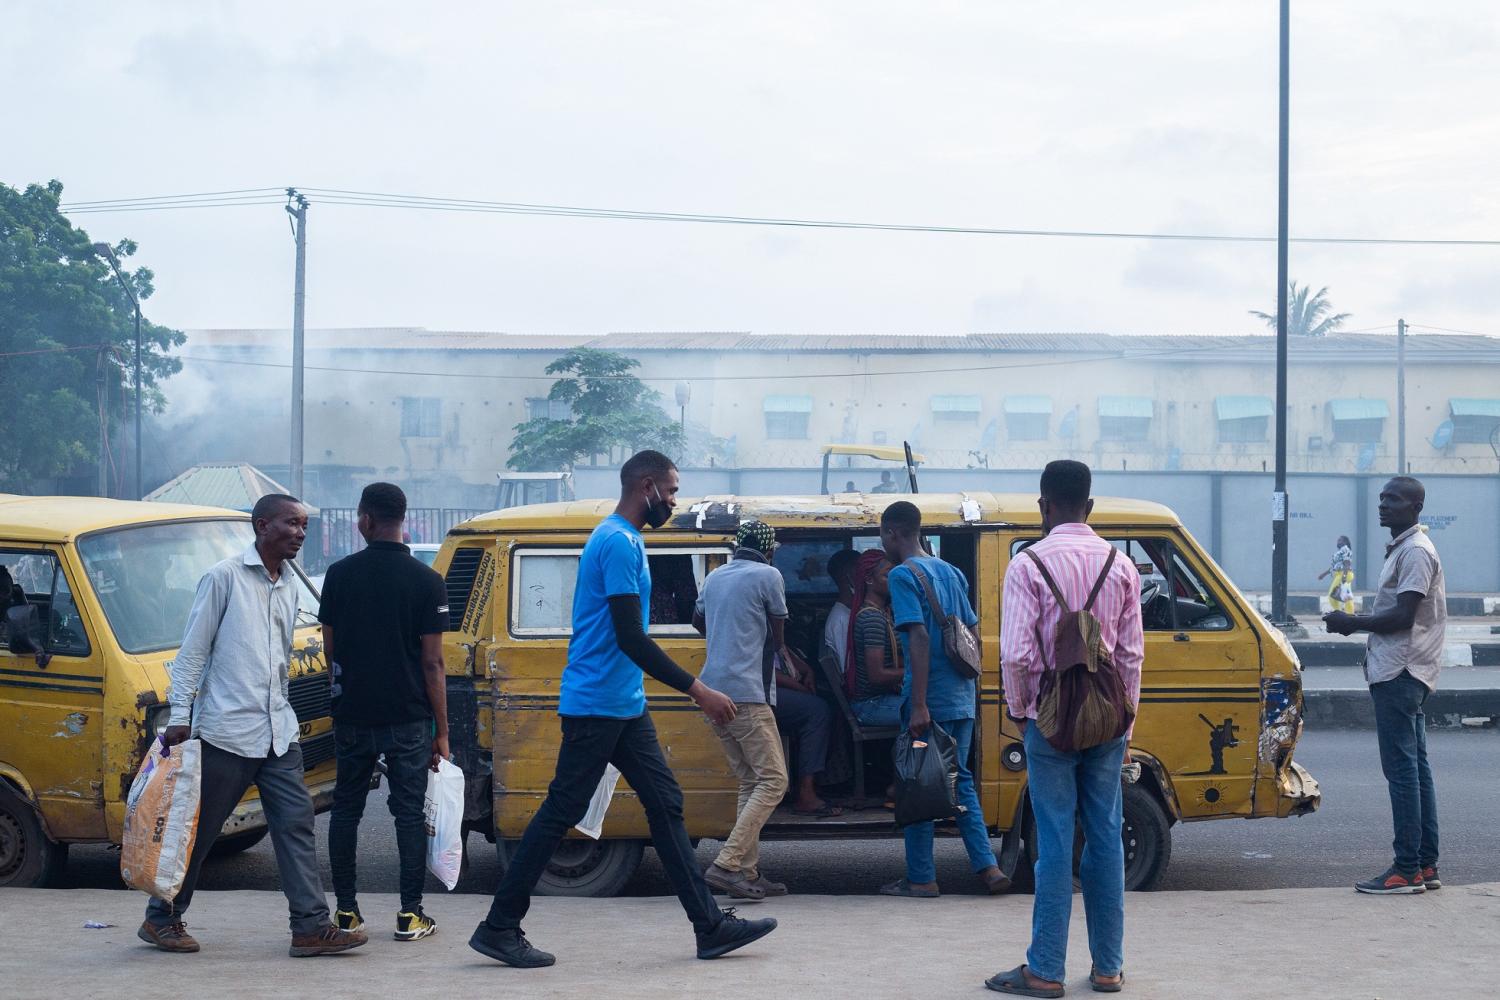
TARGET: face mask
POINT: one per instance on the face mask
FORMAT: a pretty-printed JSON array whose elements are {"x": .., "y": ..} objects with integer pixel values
[{"x": 657, "y": 511}]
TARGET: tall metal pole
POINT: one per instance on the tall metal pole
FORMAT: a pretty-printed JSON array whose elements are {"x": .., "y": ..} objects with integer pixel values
[
  {"x": 140, "y": 485},
  {"x": 1401, "y": 397},
  {"x": 297, "y": 209},
  {"x": 1279, "y": 502}
]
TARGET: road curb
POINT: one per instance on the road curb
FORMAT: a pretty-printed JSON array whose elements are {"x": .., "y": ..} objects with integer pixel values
[
  {"x": 1314, "y": 653},
  {"x": 1351, "y": 708}
]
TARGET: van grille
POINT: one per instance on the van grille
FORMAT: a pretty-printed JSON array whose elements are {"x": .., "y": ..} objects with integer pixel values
[
  {"x": 310, "y": 697},
  {"x": 460, "y": 579},
  {"x": 317, "y": 750}
]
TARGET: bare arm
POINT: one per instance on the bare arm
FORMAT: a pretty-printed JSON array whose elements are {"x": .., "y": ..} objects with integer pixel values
[
  {"x": 879, "y": 670},
  {"x": 435, "y": 677},
  {"x": 1397, "y": 619},
  {"x": 699, "y": 622}
]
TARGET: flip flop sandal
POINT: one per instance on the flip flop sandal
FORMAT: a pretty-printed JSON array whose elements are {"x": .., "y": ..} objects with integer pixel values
[
  {"x": 822, "y": 812},
  {"x": 1014, "y": 983},
  {"x": 1099, "y": 987},
  {"x": 901, "y": 887}
]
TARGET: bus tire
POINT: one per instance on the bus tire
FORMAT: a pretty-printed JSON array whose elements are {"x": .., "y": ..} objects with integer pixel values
[
  {"x": 227, "y": 846},
  {"x": 583, "y": 867},
  {"x": 1147, "y": 834},
  {"x": 27, "y": 857}
]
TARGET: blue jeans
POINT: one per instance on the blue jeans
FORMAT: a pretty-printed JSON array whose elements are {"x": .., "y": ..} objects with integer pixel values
[
  {"x": 1401, "y": 728},
  {"x": 408, "y": 753},
  {"x": 919, "y": 864},
  {"x": 1086, "y": 784},
  {"x": 881, "y": 710}
]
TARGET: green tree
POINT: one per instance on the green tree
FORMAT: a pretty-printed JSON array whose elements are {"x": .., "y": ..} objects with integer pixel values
[
  {"x": 67, "y": 340},
  {"x": 610, "y": 408},
  {"x": 1308, "y": 314}
]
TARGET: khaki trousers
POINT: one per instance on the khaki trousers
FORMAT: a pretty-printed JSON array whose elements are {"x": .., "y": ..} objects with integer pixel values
[{"x": 753, "y": 745}]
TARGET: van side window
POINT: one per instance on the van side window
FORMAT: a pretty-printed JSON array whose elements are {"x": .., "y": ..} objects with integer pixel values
[
  {"x": 1165, "y": 575},
  {"x": 543, "y": 582},
  {"x": 37, "y": 579}
]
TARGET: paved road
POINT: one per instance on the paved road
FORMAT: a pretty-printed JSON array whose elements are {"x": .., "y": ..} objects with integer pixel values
[{"x": 1348, "y": 839}]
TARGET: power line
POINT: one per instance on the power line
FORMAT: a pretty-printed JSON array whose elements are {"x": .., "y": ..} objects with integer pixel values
[{"x": 375, "y": 199}]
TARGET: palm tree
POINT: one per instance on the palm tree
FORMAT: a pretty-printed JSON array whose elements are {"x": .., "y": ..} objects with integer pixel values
[{"x": 1308, "y": 315}]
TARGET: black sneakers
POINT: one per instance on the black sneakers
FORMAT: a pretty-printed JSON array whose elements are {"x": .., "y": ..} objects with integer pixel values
[
  {"x": 510, "y": 947},
  {"x": 1392, "y": 883},
  {"x": 733, "y": 932},
  {"x": 1430, "y": 879}
]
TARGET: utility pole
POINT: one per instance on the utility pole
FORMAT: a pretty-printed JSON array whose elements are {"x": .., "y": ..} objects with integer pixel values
[
  {"x": 1279, "y": 502},
  {"x": 107, "y": 252},
  {"x": 297, "y": 208},
  {"x": 1401, "y": 397}
]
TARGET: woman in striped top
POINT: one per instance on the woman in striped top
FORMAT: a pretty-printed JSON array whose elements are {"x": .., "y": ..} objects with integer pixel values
[{"x": 875, "y": 670}]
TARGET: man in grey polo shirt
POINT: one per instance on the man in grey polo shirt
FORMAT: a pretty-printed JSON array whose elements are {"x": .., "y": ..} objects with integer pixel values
[
  {"x": 742, "y": 611},
  {"x": 1402, "y": 661}
]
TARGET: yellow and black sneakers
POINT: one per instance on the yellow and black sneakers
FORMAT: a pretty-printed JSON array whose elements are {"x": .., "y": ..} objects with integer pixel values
[
  {"x": 411, "y": 925},
  {"x": 349, "y": 920}
]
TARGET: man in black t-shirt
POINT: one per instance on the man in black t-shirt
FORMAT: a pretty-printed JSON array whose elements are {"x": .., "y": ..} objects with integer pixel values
[{"x": 383, "y": 615}]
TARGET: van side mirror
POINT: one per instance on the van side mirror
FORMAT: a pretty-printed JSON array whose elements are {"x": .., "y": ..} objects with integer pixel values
[{"x": 24, "y": 627}]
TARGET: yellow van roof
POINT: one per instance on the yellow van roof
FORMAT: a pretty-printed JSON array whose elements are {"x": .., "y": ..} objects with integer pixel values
[
  {"x": 61, "y": 519},
  {"x": 847, "y": 510}
]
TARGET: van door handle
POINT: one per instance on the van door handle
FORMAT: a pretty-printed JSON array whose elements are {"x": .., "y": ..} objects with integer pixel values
[{"x": 1181, "y": 637}]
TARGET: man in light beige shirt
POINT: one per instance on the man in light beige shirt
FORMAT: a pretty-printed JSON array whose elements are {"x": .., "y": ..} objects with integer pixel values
[{"x": 1402, "y": 661}]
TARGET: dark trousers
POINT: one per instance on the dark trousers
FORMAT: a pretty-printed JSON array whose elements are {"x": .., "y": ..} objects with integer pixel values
[
  {"x": 1401, "y": 728},
  {"x": 588, "y": 744},
  {"x": 408, "y": 753},
  {"x": 808, "y": 719},
  {"x": 289, "y": 814}
]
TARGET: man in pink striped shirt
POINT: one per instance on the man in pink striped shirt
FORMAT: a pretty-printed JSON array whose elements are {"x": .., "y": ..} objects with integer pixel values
[{"x": 1085, "y": 783}]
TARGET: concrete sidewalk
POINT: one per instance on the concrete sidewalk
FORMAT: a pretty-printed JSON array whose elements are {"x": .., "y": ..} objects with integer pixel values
[{"x": 1323, "y": 943}]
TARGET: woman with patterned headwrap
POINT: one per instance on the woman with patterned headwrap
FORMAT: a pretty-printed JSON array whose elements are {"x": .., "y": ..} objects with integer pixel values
[{"x": 874, "y": 672}]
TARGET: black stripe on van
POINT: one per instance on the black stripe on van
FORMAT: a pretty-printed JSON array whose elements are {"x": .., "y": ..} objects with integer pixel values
[{"x": 52, "y": 687}]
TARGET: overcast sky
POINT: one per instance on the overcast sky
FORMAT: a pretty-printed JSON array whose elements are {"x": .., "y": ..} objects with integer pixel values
[{"x": 1155, "y": 116}]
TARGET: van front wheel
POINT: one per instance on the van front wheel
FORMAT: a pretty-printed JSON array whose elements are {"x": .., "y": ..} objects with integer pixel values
[
  {"x": 1148, "y": 839},
  {"x": 27, "y": 857},
  {"x": 582, "y": 867}
]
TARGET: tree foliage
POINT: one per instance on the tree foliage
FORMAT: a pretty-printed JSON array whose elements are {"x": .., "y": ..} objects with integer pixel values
[
  {"x": 610, "y": 406},
  {"x": 1309, "y": 313},
  {"x": 67, "y": 336}
]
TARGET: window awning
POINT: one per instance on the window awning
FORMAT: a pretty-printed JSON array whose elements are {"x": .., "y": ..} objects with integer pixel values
[
  {"x": 1130, "y": 407},
  {"x": 1243, "y": 407},
  {"x": 1475, "y": 407},
  {"x": 1029, "y": 404},
  {"x": 956, "y": 404},
  {"x": 788, "y": 404},
  {"x": 1359, "y": 409}
]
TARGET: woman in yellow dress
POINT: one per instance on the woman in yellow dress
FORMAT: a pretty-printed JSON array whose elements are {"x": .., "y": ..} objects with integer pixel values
[{"x": 1341, "y": 569}]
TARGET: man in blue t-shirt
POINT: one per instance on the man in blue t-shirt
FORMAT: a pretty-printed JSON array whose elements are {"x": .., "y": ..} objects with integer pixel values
[
  {"x": 933, "y": 692},
  {"x": 604, "y": 721}
]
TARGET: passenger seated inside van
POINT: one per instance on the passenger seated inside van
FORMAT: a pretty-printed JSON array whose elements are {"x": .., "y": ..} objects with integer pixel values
[
  {"x": 836, "y": 626},
  {"x": 11, "y": 595},
  {"x": 874, "y": 675},
  {"x": 806, "y": 717}
]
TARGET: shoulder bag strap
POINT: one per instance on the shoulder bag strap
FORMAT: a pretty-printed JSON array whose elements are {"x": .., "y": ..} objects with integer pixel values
[
  {"x": 938, "y": 614},
  {"x": 1103, "y": 575},
  {"x": 1057, "y": 594}
]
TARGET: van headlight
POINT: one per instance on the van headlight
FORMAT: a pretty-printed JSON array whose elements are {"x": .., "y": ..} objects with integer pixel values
[{"x": 156, "y": 719}]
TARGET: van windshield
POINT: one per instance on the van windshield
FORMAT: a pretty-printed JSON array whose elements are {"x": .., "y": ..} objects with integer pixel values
[{"x": 146, "y": 576}]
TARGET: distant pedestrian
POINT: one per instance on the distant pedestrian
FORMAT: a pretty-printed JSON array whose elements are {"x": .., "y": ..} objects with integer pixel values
[
  {"x": 886, "y": 484},
  {"x": 1403, "y": 658},
  {"x": 742, "y": 612},
  {"x": 1084, "y": 569},
  {"x": 933, "y": 692},
  {"x": 604, "y": 721},
  {"x": 1341, "y": 571},
  {"x": 229, "y": 689},
  {"x": 383, "y": 613}
]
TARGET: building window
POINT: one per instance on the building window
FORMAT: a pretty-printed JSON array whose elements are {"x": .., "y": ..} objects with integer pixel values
[
  {"x": 956, "y": 409},
  {"x": 1358, "y": 421},
  {"x": 1243, "y": 419},
  {"x": 421, "y": 416},
  {"x": 548, "y": 409},
  {"x": 787, "y": 417},
  {"x": 1124, "y": 418},
  {"x": 1474, "y": 420},
  {"x": 1028, "y": 418}
]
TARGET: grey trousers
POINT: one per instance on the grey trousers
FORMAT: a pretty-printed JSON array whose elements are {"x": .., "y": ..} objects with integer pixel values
[
  {"x": 809, "y": 719},
  {"x": 289, "y": 814}
]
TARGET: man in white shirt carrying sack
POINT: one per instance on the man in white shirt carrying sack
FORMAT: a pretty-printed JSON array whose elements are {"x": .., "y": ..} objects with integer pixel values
[{"x": 229, "y": 689}]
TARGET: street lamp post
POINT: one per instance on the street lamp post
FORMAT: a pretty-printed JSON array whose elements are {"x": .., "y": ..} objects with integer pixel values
[
  {"x": 684, "y": 393},
  {"x": 1279, "y": 502},
  {"x": 107, "y": 252}
]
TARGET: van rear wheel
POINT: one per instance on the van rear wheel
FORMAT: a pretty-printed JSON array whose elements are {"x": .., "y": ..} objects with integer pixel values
[
  {"x": 1148, "y": 839},
  {"x": 582, "y": 867},
  {"x": 27, "y": 857}
]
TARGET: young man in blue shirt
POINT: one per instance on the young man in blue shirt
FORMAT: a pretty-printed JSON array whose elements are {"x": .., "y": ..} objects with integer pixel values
[
  {"x": 934, "y": 692},
  {"x": 604, "y": 721}
]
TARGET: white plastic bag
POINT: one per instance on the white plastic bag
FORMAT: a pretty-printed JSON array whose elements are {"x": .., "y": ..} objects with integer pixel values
[
  {"x": 445, "y": 822},
  {"x": 161, "y": 819},
  {"x": 592, "y": 823}
]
